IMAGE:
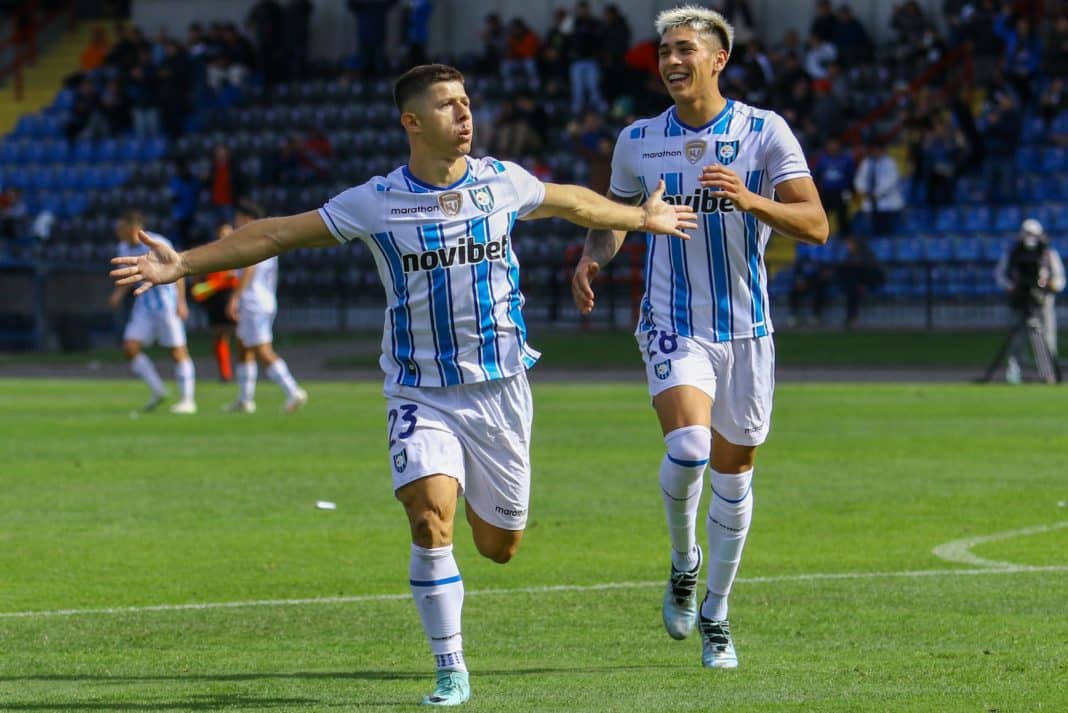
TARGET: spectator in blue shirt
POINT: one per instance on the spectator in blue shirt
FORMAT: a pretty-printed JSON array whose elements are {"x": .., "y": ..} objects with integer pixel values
[
  {"x": 185, "y": 194},
  {"x": 833, "y": 172}
]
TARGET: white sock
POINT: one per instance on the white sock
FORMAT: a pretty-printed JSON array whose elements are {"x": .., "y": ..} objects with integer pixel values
[
  {"x": 143, "y": 367},
  {"x": 438, "y": 592},
  {"x": 680, "y": 487},
  {"x": 278, "y": 372},
  {"x": 729, "y": 515},
  {"x": 246, "y": 380},
  {"x": 185, "y": 375}
]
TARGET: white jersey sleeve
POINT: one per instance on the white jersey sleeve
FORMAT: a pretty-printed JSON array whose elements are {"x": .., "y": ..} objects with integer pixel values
[
  {"x": 624, "y": 182},
  {"x": 530, "y": 192},
  {"x": 350, "y": 214},
  {"x": 785, "y": 159}
]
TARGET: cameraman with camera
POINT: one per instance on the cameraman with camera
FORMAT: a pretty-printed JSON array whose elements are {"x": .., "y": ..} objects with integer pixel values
[{"x": 1031, "y": 273}]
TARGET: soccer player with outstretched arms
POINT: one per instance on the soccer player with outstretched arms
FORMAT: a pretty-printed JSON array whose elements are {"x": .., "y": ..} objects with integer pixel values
[
  {"x": 705, "y": 329},
  {"x": 454, "y": 343}
]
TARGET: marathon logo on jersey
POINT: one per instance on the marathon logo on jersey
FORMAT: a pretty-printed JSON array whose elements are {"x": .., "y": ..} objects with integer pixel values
[
  {"x": 726, "y": 151},
  {"x": 466, "y": 252},
  {"x": 451, "y": 202},
  {"x": 400, "y": 461},
  {"x": 415, "y": 209},
  {"x": 483, "y": 198},
  {"x": 695, "y": 150},
  {"x": 662, "y": 369},
  {"x": 662, "y": 154},
  {"x": 702, "y": 201}
]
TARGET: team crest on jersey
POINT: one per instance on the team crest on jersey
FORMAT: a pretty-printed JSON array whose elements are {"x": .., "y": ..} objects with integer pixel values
[
  {"x": 400, "y": 461},
  {"x": 695, "y": 150},
  {"x": 662, "y": 369},
  {"x": 726, "y": 151},
  {"x": 451, "y": 202},
  {"x": 483, "y": 198}
]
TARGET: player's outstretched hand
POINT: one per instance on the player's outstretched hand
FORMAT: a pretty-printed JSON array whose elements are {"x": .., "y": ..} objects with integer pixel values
[
  {"x": 157, "y": 267},
  {"x": 728, "y": 184},
  {"x": 582, "y": 284},
  {"x": 666, "y": 219}
]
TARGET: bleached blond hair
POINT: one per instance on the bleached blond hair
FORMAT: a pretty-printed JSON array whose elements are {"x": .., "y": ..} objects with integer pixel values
[{"x": 699, "y": 19}]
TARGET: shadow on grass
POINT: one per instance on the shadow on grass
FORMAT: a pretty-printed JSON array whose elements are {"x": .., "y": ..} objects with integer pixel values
[{"x": 319, "y": 675}]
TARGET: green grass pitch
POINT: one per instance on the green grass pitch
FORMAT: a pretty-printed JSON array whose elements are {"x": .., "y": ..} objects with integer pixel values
[{"x": 99, "y": 511}]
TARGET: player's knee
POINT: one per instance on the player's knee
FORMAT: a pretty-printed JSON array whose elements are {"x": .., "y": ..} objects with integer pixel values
[
  {"x": 498, "y": 550},
  {"x": 130, "y": 349},
  {"x": 430, "y": 526},
  {"x": 689, "y": 445}
]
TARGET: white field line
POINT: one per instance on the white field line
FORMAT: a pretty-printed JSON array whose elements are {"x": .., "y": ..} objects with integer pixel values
[
  {"x": 815, "y": 576},
  {"x": 960, "y": 550}
]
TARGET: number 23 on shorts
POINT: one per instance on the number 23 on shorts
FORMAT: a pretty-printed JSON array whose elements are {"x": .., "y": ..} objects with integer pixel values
[
  {"x": 667, "y": 342},
  {"x": 405, "y": 416}
]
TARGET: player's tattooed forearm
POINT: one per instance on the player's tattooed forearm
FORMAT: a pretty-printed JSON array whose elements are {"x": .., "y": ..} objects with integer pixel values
[{"x": 601, "y": 246}]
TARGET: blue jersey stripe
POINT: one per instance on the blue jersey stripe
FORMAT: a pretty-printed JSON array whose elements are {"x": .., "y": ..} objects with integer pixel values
[
  {"x": 489, "y": 353},
  {"x": 434, "y": 582},
  {"x": 441, "y": 310},
  {"x": 400, "y": 314},
  {"x": 478, "y": 309},
  {"x": 717, "y": 277},
  {"x": 680, "y": 279},
  {"x": 752, "y": 254},
  {"x": 726, "y": 275},
  {"x": 423, "y": 240},
  {"x": 515, "y": 297}
]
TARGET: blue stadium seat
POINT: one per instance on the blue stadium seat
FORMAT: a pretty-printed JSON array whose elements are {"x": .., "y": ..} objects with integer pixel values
[
  {"x": 1029, "y": 159},
  {"x": 56, "y": 150},
  {"x": 975, "y": 219},
  {"x": 51, "y": 125},
  {"x": 155, "y": 148},
  {"x": 882, "y": 248},
  {"x": 1034, "y": 130},
  {"x": 947, "y": 219},
  {"x": 130, "y": 148},
  {"x": 28, "y": 125},
  {"x": 82, "y": 151},
  {"x": 966, "y": 248},
  {"x": 64, "y": 100},
  {"x": 970, "y": 189},
  {"x": 911, "y": 249},
  {"x": 913, "y": 220},
  {"x": 33, "y": 151},
  {"x": 94, "y": 178},
  {"x": 1058, "y": 218},
  {"x": 937, "y": 248},
  {"x": 1054, "y": 159},
  {"x": 10, "y": 152},
  {"x": 69, "y": 177},
  {"x": 77, "y": 202},
  {"x": 1008, "y": 218},
  {"x": 115, "y": 175},
  {"x": 106, "y": 150},
  {"x": 993, "y": 248}
]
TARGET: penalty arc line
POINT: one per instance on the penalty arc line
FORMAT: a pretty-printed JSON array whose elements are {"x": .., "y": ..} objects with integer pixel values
[
  {"x": 548, "y": 589},
  {"x": 960, "y": 550}
]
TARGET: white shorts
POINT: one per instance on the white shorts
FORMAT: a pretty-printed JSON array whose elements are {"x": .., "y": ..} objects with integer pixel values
[
  {"x": 151, "y": 327},
  {"x": 739, "y": 375},
  {"x": 477, "y": 433},
  {"x": 255, "y": 328}
]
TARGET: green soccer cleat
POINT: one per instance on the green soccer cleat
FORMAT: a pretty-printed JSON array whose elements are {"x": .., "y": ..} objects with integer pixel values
[
  {"x": 453, "y": 689},
  {"x": 680, "y": 600},
  {"x": 717, "y": 647}
]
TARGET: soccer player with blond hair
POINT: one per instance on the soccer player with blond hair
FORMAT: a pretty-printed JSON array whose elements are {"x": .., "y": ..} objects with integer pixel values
[
  {"x": 454, "y": 342},
  {"x": 705, "y": 329}
]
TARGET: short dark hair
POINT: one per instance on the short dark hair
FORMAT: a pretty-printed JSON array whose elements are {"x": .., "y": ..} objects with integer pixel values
[
  {"x": 418, "y": 79},
  {"x": 249, "y": 207},
  {"x": 132, "y": 216}
]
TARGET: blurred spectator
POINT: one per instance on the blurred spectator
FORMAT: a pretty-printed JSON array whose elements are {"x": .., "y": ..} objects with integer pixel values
[
  {"x": 1056, "y": 55},
  {"x": 521, "y": 52},
  {"x": 296, "y": 19},
  {"x": 86, "y": 121},
  {"x": 960, "y": 107},
  {"x": 942, "y": 146},
  {"x": 833, "y": 173},
  {"x": 1000, "y": 126},
  {"x": 265, "y": 20},
  {"x": 593, "y": 142},
  {"x": 851, "y": 40},
  {"x": 825, "y": 23},
  {"x": 185, "y": 194},
  {"x": 908, "y": 22},
  {"x": 819, "y": 53},
  {"x": 224, "y": 184},
  {"x": 740, "y": 15},
  {"x": 125, "y": 52},
  {"x": 141, "y": 95},
  {"x": 556, "y": 48},
  {"x": 917, "y": 122},
  {"x": 174, "y": 85},
  {"x": 585, "y": 71},
  {"x": 877, "y": 183},
  {"x": 494, "y": 44},
  {"x": 514, "y": 135},
  {"x": 1023, "y": 55},
  {"x": 417, "y": 30},
  {"x": 114, "y": 108},
  {"x": 371, "y": 35},
  {"x": 617, "y": 36},
  {"x": 810, "y": 282},
  {"x": 858, "y": 274},
  {"x": 1053, "y": 101},
  {"x": 12, "y": 214},
  {"x": 96, "y": 51},
  {"x": 315, "y": 155}
]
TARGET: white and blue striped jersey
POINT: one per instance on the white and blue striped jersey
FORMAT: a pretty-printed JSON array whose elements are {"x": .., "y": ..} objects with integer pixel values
[
  {"x": 713, "y": 286},
  {"x": 161, "y": 298},
  {"x": 444, "y": 254},
  {"x": 259, "y": 295}
]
